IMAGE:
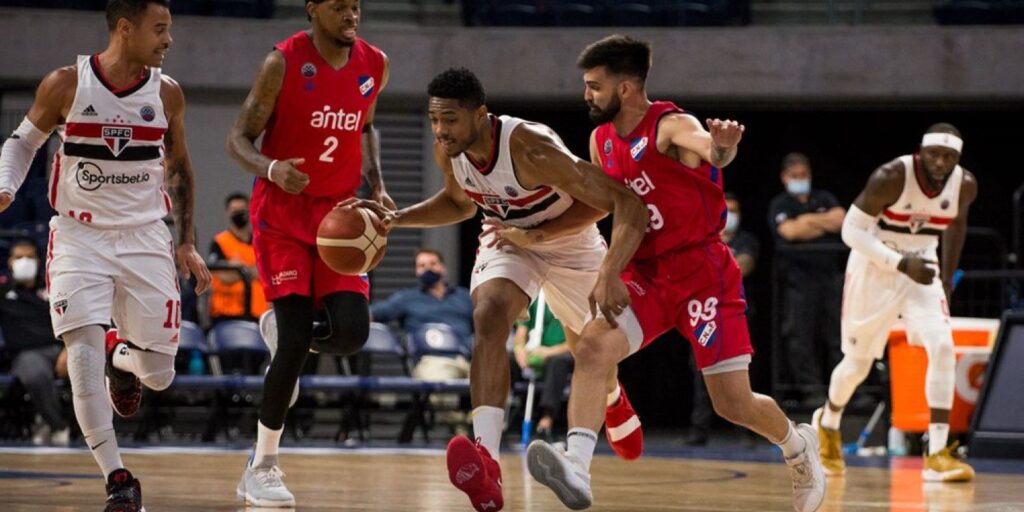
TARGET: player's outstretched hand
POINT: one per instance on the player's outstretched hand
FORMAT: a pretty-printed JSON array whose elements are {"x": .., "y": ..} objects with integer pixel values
[
  {"x": 385, "y": 214},
  {"x": 5, "y": 200},
  {"x": 192, "y": 264},
  {"x": 725, "y": 133},
  {"x": 611, "y": 297},
  {"x": 385, "y": 200},
  {"x": 285, "y": 174},
  {"x": 502, "y": 235},
  {"x": 919, "y": 269}
]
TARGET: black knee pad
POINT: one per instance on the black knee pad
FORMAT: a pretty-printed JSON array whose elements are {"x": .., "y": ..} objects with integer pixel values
[{"x": 347, "y": 320}]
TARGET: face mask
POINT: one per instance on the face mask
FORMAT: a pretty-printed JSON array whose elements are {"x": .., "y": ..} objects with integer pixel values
[
  {"x": 24, "y": 269},
  {"x": 240, "y": 219},
  {"x": 799, "y": 187},
  {"x": 732, "y": 221},
  {"x": 429, "y": 278}
]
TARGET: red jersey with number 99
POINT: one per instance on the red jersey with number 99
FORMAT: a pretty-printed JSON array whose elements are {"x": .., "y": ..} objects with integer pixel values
[
  {"x": 320, "y": 113},
  {"x": 686, "y": 205}
]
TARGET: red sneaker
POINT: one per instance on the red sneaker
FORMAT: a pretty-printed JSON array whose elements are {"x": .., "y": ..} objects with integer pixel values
[
  {"x": 124, "y": 388},
  {"x": 473, "y": 471},
  {"x": 622, "y": 428}
]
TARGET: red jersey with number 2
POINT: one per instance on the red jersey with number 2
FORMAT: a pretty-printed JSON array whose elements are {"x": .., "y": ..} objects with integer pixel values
[
  {"x": 686, "y": 205},
  {"x": 320, "y": 113}
]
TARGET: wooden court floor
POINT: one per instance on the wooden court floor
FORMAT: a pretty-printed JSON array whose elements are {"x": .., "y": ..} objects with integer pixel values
[{"x": 390, "y": 481}]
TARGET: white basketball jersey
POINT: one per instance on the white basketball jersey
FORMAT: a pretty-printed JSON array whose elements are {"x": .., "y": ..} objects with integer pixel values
[
  {"x": 109, "y": 171},
  {"x": 496, "y": 189},
  {"x": 914, "y": 223}
]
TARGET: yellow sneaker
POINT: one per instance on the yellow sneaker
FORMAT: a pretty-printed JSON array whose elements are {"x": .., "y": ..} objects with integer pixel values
[
  {"x": 944, "y": 466},
  {"x": 831, "y": 442}
]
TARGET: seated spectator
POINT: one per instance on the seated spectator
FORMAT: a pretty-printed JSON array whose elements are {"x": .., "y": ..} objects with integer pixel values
[
  {"x": 38, "y": 357},
  {"x": 433, "y": 301},
  {"x": 233, "y": 246},
  {"x": 546, "y": 353}
]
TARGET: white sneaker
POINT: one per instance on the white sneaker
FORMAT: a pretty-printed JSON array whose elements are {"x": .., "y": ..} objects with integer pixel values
[
  {"x": 562, "y": 474},
  {"x": 262, "y": 486},
  {"x": 807, "y": 474},
  {"x": 268, "y": 331}
]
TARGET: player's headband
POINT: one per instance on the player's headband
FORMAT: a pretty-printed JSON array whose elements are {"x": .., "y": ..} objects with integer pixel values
[{"x": 947, "y": 140}]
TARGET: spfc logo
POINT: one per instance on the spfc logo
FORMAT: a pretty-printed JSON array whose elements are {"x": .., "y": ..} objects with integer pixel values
[
  {"x": 917, "y": 222},
  {"x": 637, "y": 148},
  {"x": 117, "y": 138},
  {"x": 366, "y": 86},
  {"x": 496, "y": 204},
  {"x": 309, "y": 70},
  {"x": 60, "y": 307}
]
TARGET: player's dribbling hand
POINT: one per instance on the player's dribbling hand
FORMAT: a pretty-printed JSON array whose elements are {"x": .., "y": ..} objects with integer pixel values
[
  {"x": 502, "y": 235},
  {"x": 920, "y": 270},
  {"x": 725, "y": 133},
  {"x": 385, "y": 200},
  {"x": 287, "y": 176},
  {"x": 611, "y": 297},
  {"x": 192, "y": 264},
  {"x": 386, "y": 215},
  {"x": 5, "y": 200}
]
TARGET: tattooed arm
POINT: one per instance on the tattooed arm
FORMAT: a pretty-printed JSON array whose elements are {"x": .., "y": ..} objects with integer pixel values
[
  {"x": 181, "y": 184},
  {"x": 252, "y": 120},
  {"x": 371, "y": 149}
]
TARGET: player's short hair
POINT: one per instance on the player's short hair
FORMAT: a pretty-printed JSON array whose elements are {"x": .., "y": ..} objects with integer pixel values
[
  {"x": 234, "y": 196},
  {"x": 729, "y": 196},
  {"x": 427, "y": 250},
  {"x": 944, "y": 128},
  {"x": 308, "y": 17},
  {"x": 458, "y": 84},
  {"x": 795, "y": 159},
  {"x": 129, "y": 9},
  {"x": 620, "y": 55},
  {"x": 25, "y": 242}
]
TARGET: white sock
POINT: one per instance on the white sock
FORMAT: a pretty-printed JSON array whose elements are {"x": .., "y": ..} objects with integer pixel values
[
  {"x": 122, "y": 358},
  {"x": 103, "y": 445},
  {"x": 792, "y": 445},
  {"x": 155, "y": 370},
  {"x": 488, "y": 422},
  {"x": 267, "y": 443},
  {"x": 829, "y": 418},
  {"x": 938, "y": 436},
  {"x": 581, "y": 443},
  {"x": 614, "y": 395}
]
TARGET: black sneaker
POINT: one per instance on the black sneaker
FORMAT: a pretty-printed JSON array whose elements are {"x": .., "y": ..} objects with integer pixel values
[
  {"x": 124, "y": 492},
  {"x": 124, "y": 388}
]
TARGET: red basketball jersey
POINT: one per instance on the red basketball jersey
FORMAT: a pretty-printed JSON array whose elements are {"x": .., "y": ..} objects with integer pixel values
[
  {"x": 320, "y": 113},
  {"x": 686, "y": 205}
]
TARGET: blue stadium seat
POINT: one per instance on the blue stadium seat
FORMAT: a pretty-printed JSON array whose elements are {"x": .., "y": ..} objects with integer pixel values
[
  {"x": 979, "y": 12},
  {"x": 631, "y": 14},
  {"x": 238, "y": 345},
  {"x": 437, "y": 340},
  {"x": 192, "y": 338},
  {"x": 382, "y": 341},
  {"x": 512, "y": 14},
  {"x": 693, "y": 12},
  {"x": 578, "y": 13}
]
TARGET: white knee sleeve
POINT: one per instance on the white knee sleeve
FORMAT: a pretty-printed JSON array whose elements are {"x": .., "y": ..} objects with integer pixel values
[
  {"x": 846, "y": 376},
  {"x": 941, "y": 376},
  {"x": 154, "y": 369},
  {"x": 86, "y": 364}
]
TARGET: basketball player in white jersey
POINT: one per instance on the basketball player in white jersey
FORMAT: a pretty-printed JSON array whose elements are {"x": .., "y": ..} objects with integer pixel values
[
  {"x": 521, "y": 176},
  {"x": 894, "y": 227},
  {"x": 110, "y": 256}
]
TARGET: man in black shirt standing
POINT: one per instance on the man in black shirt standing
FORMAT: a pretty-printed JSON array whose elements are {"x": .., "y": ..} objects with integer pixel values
[
  {"x": 806, "y": 222},
  {"x": 25, "y": 322}
]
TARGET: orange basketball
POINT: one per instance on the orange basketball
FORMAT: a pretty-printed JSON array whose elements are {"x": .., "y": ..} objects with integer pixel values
[{"x": 351, "y": 240}]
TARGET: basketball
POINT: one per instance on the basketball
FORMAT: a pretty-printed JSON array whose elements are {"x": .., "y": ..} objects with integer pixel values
[{"x": 351, "y": 240}]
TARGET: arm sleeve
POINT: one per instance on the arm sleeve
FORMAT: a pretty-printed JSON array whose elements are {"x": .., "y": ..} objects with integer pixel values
[
  {"x": 18, "y": 152},
  {"x": 857, "y": 234}
]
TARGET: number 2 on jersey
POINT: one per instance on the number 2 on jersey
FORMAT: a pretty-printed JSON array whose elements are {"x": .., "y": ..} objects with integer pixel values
[{"x": 332, "y": 144}]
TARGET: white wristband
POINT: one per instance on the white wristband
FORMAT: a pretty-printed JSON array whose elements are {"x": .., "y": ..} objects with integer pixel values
[{"x": 270, "y": 171}]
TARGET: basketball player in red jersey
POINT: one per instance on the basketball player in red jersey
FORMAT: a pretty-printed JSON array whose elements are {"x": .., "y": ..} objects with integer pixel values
[
  {"x": 110, "y": 254},
  {"x": 681, "y": 277},
  {"x": 313, "y": 100}
]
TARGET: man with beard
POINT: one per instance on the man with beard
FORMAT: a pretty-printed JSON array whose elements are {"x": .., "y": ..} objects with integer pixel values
[
  {"x": 893, "y": 229},
  {"x": 313, "y": 100},
  {"x": 540, "y": 203},
  {"x": 682, "y": 276}
]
